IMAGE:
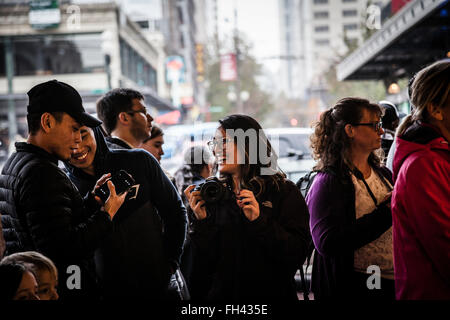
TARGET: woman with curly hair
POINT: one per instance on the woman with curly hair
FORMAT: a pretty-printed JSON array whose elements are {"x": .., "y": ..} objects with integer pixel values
[
  {"x": 249, "y": 244},
  {"x": 349, "y": 205}
]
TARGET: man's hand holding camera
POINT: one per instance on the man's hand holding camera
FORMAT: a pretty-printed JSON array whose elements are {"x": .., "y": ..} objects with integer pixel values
[{"x": 114, "y": 201}]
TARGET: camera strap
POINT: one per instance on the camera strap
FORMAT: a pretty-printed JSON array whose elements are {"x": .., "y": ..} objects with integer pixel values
[{"x": 358, "y": 174}]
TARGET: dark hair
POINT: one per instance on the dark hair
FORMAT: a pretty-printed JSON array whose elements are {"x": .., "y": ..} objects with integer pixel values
[
  {"x": 251, "y": 177},
  {"x": 11, "y": 275},
  {"x": 330, "y": 143},
  {"x": 34, "y": 120},
  {"x": 390, "y": 115},
  {"x": 114, "y": 102},
  {"x": 430, "y": 86},
  {"x": 155, "y": 133}
]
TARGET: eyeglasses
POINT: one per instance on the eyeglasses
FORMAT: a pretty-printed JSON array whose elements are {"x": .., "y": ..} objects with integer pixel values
[
  {"x": 212, "y": 144},
  {"x": 375, "y": 125}
]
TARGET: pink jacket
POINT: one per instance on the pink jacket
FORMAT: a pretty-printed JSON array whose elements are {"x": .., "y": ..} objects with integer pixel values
[{"x": 421, "y": 214}]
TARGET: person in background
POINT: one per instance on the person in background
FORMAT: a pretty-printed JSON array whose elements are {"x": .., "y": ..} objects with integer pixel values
[
  {"x": 390, "y": 156},
  {"x": 17, "y": 283},
  {"x": 43, "y": 269},
  {"x": 198, "y": 163},
  {"x": 125, "y": 118},
  {"x": 390, "y": 121},
  {"x": 421, "y": 197},
  {"x": 154, "y": 143},
  {"x": 257, "y": 230},
  {"x": 349, "y": 204}
]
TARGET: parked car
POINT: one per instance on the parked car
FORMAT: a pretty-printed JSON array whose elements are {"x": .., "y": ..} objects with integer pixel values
[{"x": 292, "y": 146}]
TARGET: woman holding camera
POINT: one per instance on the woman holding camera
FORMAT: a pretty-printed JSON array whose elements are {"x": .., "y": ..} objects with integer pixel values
[
  {"x": 349, "y": 204},
  {"x": 249, "y": 244}
]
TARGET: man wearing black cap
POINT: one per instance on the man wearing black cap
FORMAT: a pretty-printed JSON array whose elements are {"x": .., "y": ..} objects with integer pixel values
[{"x": 41, "y": 209}]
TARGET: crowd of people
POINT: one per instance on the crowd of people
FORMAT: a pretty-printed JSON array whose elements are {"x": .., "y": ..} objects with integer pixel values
[{"x": 228, "y": 225}]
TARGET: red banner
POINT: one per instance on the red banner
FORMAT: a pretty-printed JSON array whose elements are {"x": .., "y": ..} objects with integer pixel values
[{"x": 228, "y": 68}]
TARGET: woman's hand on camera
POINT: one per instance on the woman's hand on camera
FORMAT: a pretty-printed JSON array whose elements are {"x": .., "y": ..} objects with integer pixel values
[
  {"x": 247, "y": 202},
  {"x": 195, "y": 202}
]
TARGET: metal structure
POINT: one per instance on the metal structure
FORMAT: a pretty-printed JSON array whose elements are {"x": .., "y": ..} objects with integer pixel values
[{"x": 416, "y": 36}]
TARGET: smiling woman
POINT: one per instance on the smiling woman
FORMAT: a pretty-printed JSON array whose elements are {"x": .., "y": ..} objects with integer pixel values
[
  {"x": 83, "y": 157},
  {"x": 260, "y": 228}
]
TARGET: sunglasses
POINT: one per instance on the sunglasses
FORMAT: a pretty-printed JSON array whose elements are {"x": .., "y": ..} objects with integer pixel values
[{"x": 375, "y": 125}]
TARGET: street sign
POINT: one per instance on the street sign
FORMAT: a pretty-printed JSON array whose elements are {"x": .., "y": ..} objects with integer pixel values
[{"x": 44, "y": 14}]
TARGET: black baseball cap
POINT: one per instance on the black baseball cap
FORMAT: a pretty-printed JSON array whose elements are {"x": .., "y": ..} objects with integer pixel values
[{"x": 57, "y": 96}]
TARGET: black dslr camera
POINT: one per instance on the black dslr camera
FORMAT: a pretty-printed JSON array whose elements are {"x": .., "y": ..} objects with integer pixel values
[
  {"x": 213, "y": 190},
  {"x": 122, "y": 180}
]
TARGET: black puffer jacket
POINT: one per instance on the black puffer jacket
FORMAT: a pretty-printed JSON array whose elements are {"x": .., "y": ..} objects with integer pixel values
[
  {"x": 239, "y": 260},
  {"x": 43, "y": 211},
  {"x": 133, "y": 260}
]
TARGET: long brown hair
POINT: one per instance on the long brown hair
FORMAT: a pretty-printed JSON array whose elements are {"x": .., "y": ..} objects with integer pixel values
[
  {"x": 251, "y": 177},
  {"x": 430, "y": 86},
  {"x": 330, "y": 143}
]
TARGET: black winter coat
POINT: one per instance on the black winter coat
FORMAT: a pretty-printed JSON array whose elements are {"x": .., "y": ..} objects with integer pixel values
[
  {"x": 239, "y": 260},
  {"x": 43, "y": 211},
  {"x": 134, "y": 260}
]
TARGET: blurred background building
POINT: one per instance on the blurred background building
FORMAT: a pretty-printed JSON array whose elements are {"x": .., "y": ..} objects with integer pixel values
[
  {"x": 194, "y": 61},
  {"x": 315, "y": 34}
]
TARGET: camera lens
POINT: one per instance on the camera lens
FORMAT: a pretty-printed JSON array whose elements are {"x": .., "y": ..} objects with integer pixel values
[{"x": 211, "y": 191}]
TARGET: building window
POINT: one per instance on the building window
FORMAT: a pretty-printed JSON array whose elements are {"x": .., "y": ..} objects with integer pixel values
[
  {"x": 56, "y": 54},
  {"x": 320, "y": 1},
  {"x": 321, "y": 28},
  {"x": 349, "y": 13},
  {"x": 351, "y": 26},
  {"x": 135, "y": 67},
  {"x": 322, "y": 42},
  {"x": 321, "y": 14}
]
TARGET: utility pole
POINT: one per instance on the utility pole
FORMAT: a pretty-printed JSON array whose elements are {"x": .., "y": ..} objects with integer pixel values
[{"x": 239, "y": 105}]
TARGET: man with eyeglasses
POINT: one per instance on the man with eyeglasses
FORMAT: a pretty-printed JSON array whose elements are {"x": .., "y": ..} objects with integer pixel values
[
  {"x": 125, "y": 118},
  {"x": 128, "y": 124}
]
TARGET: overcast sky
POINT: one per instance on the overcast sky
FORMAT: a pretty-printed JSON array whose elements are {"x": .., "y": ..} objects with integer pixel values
[{"x": 258, "y": 19}]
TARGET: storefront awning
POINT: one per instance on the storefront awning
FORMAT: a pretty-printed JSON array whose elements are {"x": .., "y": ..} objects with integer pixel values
[{"x": 416, "y": 36}]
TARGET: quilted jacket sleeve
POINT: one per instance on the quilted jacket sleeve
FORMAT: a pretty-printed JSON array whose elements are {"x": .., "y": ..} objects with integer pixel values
[{"x": 54, "y": 215}]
